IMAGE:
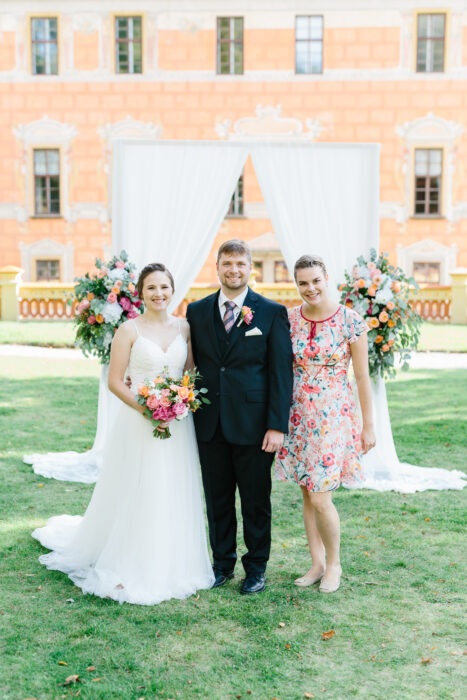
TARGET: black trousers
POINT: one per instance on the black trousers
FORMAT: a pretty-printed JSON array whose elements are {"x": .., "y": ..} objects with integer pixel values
[{"x": 225, "y": 466}]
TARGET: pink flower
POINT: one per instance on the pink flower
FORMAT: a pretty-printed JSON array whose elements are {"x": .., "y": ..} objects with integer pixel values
[
  {"x": 328, "y": 460},
  {"x": 91, "y": 320},
  {"x": 112, "y": 298},
  {"x": 125, "y": 303},
  {"x": 165, "y": 401},
  {"x": 132, "y": 313},
  {"x": 152, "y": 402},
  {"x": 163, "y": 413},
  {"x": 345, "y": 410},
  {"x": 283, "y": 452},
  {"x": 132, "y": 275},
  {"x": 295, "y": 419},
  {"x": 312, "y": 350},
  {"x": 120, "y": 264},
  {"x": 137, "y": 303},
  {"x": 166, "y": 392},
  {"x": 179, "y": 409},
  {"x": 84, "y": 304}
]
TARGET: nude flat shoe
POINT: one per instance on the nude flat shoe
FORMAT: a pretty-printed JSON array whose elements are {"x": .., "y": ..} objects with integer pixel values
[
  {"x": 305, "y": 581},
  {"x": 326, "y": 588}
]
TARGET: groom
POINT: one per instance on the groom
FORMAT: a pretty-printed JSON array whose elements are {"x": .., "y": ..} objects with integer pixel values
[{"x": 242, "y": 349}]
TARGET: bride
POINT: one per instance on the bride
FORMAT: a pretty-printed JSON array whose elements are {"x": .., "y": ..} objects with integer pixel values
[{"x": 142, "y": 538}]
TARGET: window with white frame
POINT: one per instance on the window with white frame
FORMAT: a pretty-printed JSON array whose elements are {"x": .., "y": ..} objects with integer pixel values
[
  {"x": 129, "y": 45},
  {"x": 44, "y": 45},
  {"x": 427, "y": 272},
  {"x": 428, "y": 174},
  {"x": 309, "y": 44},
  {"x": 47, "y": 270},
  {"x": 47, "y": 182},
  {"x": 230, "y": 45},
  {"x": 431, "y": 29},
  {"x": 236, "y": 203}
]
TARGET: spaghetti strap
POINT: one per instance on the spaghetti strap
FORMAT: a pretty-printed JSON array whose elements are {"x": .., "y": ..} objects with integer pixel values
[
  {"x": 136, "y": 326},
  {"x": 179, "y": 328}
]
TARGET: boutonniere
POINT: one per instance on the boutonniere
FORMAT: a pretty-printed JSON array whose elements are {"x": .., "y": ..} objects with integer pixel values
[{"x": 246, "y": 315}]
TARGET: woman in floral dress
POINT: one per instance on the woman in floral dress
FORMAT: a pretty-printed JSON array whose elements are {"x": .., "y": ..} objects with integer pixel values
[{"x": 325, "y": 442}]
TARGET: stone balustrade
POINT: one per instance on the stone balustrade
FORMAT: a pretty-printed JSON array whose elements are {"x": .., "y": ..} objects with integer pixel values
[{"x": 48, "y": 300}]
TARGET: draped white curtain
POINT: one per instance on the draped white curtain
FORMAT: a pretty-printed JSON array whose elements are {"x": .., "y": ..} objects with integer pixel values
[
  {"x": 169, "y": 200},
  {"x": 324, "y": 199}
]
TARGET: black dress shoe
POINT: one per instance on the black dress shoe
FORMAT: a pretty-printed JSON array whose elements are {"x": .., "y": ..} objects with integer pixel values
[
  {"x": 254, "y": 583},
  {"x": 221, "y": 577}
]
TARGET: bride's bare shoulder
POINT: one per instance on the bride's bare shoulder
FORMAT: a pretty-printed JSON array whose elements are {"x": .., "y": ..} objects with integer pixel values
[
  {"x": 127, "y": 331},
  {"x": 184, "y": 327}
]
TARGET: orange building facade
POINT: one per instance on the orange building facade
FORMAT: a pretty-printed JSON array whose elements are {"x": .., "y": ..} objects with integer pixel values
[{"x": 77, "y": 75}]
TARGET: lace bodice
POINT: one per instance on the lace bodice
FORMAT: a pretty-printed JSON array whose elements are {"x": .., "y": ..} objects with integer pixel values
[{"x": 147, "y": 359}]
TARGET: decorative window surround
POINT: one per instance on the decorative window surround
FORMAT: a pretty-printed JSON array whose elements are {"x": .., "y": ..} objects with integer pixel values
[
  {"x": 429, "y": 132},
  {"x": 127, "y": 128},
  {"x": 428, "y": 250},
  {"x": 47, "y": 249},
  {"x": 47, "y": 133},
  {"x": 268, "y": 123}
]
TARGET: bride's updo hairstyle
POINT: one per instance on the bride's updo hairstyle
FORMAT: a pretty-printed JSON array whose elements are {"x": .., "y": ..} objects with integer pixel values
[
  {"x": 149, "y": 269},
  {"x": 309, "y": 261}
]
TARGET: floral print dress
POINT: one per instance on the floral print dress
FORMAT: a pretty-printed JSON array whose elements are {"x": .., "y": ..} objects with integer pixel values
[{"x": 323, "y": 446}]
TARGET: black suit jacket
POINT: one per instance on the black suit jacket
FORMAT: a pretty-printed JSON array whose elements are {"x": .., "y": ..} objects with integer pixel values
[{"x": 249, "y": 378}]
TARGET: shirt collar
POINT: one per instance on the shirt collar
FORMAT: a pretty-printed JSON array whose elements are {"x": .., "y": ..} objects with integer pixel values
[{"x": 237, "y": 300}]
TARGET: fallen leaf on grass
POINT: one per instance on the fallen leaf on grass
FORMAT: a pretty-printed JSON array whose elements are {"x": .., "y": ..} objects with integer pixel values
[
  {"x": 39, "y": 588},
  {"x": 453, "y": 563},
  {"x": 427, "y": 660},
  {"x": 62, "y": 663},
  {"x": 367, "y": 517},
  {"x": 366, "y": 554},
  {"x": 287, "y": 646},
  {"x": 308, "y": 695},
  {"x": 179, "y": 634},
  {"x": 427, "y": 520},
  {"x": 281, "y": 624},
  {"x": 433, "y": 648},
  {"x": 328, "y": 635},
  {"x": 158, "y": 633},
  {"x": 91, "y": 668},
  {"x": 70, "y": 600},
  {"x": 95, "y": 680},
  {"x": 40, "y": 485},
  {"x": 71, "y": 679}
]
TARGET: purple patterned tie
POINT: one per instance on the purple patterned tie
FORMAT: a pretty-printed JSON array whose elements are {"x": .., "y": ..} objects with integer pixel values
[{"x": 229, "y": 316}]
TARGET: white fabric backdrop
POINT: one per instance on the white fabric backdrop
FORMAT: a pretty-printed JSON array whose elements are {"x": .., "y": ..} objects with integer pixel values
[{"x": 324, "y": 199}]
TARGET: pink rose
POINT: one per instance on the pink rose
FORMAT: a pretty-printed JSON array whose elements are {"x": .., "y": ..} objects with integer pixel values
[
  {"x": 119, "y": 264},
  {"x": 165, "y": 401},
  {"x": 165, "y": 392},
  {"x": 163, "y": 413},
  {"x": 112, "y": 298},
  {"x": 132, "y": 313},
  {"x": 152, "y": 402},
  {"x": 118, "y": 283},
  {"x": 137, "y": 303},
  {"x": 125, "y": 303},
  {"x": 179, "y": 409},
  {"x": 132, "y": 275},
  {"x": 91, "y": 320},
  {"x": 83, "y": 305}
]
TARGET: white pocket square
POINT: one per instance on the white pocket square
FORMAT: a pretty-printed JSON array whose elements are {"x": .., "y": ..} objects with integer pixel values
[{"x": 254, "y": 331}]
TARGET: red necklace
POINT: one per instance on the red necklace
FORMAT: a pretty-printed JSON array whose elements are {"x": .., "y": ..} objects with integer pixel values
[{"x": 314, "y": 323}]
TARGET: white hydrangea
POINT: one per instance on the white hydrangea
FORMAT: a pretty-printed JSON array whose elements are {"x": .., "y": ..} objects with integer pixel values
[
  {"x": 107, "y": 339},
  {"x": 384, "y": 295},
  {"x": 111, "y": 312},
  {"x": 118, "y": 273}
]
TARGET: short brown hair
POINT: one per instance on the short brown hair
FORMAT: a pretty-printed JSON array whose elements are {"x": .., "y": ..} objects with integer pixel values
[
  {"x": 147, "y": 270},
  {"x": 309, "y": 261},
  {"x": 234, "y": 247}
]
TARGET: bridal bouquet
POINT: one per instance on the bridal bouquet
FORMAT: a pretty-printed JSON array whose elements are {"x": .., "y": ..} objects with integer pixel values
[
  {"x": 380, "y": 293},
  {"x": 106, "y": 299},
  {"x": 166, "y": 399}
]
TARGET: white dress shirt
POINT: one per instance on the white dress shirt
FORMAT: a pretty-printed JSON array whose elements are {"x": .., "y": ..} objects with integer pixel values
[{"x": 238, "y": 301}]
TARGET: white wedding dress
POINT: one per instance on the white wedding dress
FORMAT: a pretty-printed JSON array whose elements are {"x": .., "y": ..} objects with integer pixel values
[{"x": 142, "y": 539}]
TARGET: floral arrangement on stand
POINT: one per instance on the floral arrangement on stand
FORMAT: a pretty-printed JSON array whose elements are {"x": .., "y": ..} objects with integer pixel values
[
  {"x": 105, "y": 300},
  {"x": 166, "y": 399},
  {"x": 380, "y": 293}
]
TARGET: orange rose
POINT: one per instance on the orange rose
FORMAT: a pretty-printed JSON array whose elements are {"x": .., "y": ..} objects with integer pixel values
[
  {"x": 373, "y": 322},
  {"x": 383, "y": 317},
  {"x": 361, "y": 283},
  {"x": 131, "y": 287},
  {"x": 100, "y": 318},
  {"x": 391, "y": 342},
  {"x": 379, "y": 339},
  {"x": 143, "y": 390},
  {"x": 191, "y": 396},
  {"x": 158, "y": 380},
  {"x": 116, "y": 290},
  {"x": 90, "y": 296},
  {"x": 390, "y": 305},
  {"x": 395, "y": 286},
  {"x": 391, "y": 323},
  {"x": 385, "y": 347},
  {"x": 185, "y": 380},
  {"x": 372, "y": 290},
  {"x": 183, "y": 392}
]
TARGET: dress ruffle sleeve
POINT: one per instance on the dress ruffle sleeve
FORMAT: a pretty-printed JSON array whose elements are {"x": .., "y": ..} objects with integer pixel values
[{"x": 356, "y": 326}]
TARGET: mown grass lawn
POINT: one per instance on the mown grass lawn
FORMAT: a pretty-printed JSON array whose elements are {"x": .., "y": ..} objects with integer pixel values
[
  {"x": 439, "y": 337},
  {"x": 397, "y": 618}
]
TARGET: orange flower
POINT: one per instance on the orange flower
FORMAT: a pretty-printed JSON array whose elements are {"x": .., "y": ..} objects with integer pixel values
[
  {"x": 143, "y": 390},
  {"x": 390, "y": 305},
  {"x": 379, "y": 339},
  {"x": 100, "y": 318},
  {"x": 385, "y": 347},
  {"x": 383, "y": 317},
  {"x": 183, "y": 392},
  {"x": 158, "y": 380},
  {"x": 131, "y": 287},
  {"x": 373, "y": 322},
  {"x": 396, "y": 287},
  {"x": 361, "y": 283},
  {"x": 116, "y": 290},
  {"x": 185, "y": 380},
  {"x": 191, "y": 396},
  {"x": 391, "y": 342},
  {"x": 90, "y": 296},
  {"x": 349, "y": 303},
  {"x": 391, "y": 323},
  {"x": 372, "y": 290}
]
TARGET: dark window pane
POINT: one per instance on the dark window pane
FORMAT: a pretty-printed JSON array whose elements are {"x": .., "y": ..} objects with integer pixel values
[
  {"x": 422, "y": 56},
  {"x": 420, "y": 195},
  {"x": 434, "y": 208},
  {"x": 137, "y": 28},
  {"x": 224, "y": 28},
  {"x": 281, "y": 273},
  {"x": 38, "y": 29},
  {"x": 419, "y": 208},
  {"x": 53, "y": 30},
  {"x": 258, "y": 267},
  {"x": 438, "y": 56},
  {"x": 238, "y": 29}
]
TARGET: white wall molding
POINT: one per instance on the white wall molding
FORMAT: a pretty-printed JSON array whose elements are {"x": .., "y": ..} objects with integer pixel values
[
  {"x": 428, "y": 250},
  {"x": 88, "y": 210},
  {"x": 48, "y": 248},
  {"x": 9, "y": 210},
  {"x": 268, "y": 123}
]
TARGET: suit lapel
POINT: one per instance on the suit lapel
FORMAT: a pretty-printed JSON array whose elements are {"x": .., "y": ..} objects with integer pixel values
[
  {"x": 213, "y": 303},
  {"x": 237, "y": 331}
]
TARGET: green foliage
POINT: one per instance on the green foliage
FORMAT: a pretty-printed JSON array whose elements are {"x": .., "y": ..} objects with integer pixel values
[
  {"x": 402, "y": 588},
  {"x": 380, "y": 293}
]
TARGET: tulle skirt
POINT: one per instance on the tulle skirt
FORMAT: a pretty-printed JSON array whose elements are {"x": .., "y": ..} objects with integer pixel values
[{"x": 143, "y": 538}]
